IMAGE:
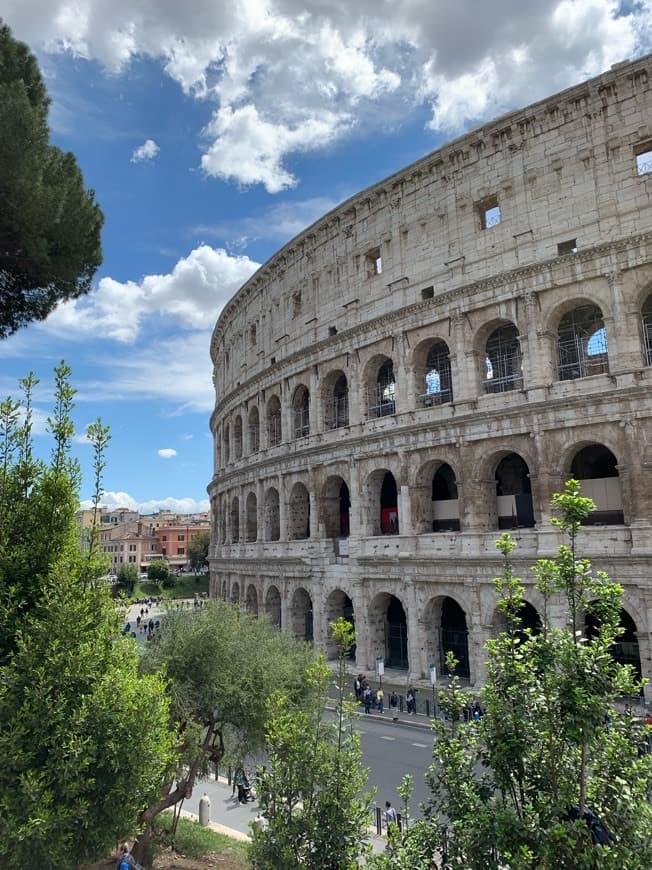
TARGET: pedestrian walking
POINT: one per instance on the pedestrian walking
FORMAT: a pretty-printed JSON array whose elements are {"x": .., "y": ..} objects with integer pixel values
[
  {"x": 367, "y": 699},
  {"x": 380, "y": 700},
  {"x": 411, "y": 702}
]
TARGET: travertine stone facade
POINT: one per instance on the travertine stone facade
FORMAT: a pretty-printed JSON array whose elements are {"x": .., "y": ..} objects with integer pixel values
[{"x": 426, "y": 365}]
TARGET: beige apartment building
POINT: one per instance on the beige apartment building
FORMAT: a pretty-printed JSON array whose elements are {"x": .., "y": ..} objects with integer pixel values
[
  {"x": 131, "y": 543},
  {"x": 425, "y": 365}
]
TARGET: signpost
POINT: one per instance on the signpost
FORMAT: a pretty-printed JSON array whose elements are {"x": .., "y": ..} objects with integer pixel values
[
  {"x": 433, "y": 682},
  {"x": 380, "y": 669}
]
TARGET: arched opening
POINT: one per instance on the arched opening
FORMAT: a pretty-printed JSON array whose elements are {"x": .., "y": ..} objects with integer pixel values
[
  {"x": 338, "y": 604},
  {"x": 237, "y": 437},
  {"x": 434, "y": 376},
  {"x": 388, "y": 506},
  {"x": 388, "y": 631},
  {"x": 251, "y": 601},
  {"x": 223, "y": 522},
  {"x": 298, "y": 520},
  {"x": 302, "y": 616},
  {"x": 646, "y": 322},
  {"x": 529, "y": 621},
  {"x": 454, "y": 637},
  {"x": 625, "y": 650},
  {"x": 273, "y": 606},
  {"x": 254, "y": 431},
  {"x": 301, "y": 412},
  {"x": 335, "y": 506},
  {"x": 274, "y": 431},
  {"x": 272, "y": 516},
  {"x": 235, "y": 520},
  {"x": 227, "y": 448},
  {"x": 503, "y": 364},
  {"x": 514, "y": 493},
  {"x": 382, "y": 395},
  {"x": 235, "y": 592},
  {"x": 336, "y": 401},
  {"x": 445, "y": 503},
  {"x": 251, "y": 532},
  {"x": 595, "y": 467},
  {"x": 582, "y": 343}
]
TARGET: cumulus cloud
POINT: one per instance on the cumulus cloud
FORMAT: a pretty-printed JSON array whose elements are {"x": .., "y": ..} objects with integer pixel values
[
  {"x": 285, "y": 76},
  {"x": 147, "y": 151},
  {"x": 194, "y": 293},
  {"x": 167, "y": 452},
  {"x": 115, "y": 500}
]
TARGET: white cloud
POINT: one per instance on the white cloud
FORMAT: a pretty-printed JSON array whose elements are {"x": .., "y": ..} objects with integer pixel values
[
  {"x": 287, "y": 76},
  {"x": 193, "y": 294},
  {"x": 167, "y": 452},
  {"x": 147, "y": 151},
  {"x": 114, "y": 500}
]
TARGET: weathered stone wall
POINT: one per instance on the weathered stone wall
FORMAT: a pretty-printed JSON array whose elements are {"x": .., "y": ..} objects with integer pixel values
[{"x": 482, "y": 317}]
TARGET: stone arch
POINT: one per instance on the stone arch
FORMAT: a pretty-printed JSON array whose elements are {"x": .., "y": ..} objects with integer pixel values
[
  {"x": 383, "y": 502},
  {"x": 513, "y": 493},
  {"x": 596, "y": 467},
  {"x": 237, "y": 437},
  {"x": 625, "y": 649},
  {"x": 335, "y": 507},
  {"x": 301, "y": 617},
  {"x": 446, "y": 630},
  {"x": 301, "y": 412},
  {"x": 502, "y": 365},
  {"x": 235, "y": 520},
  {"x": 388, "y": 630},
  {"x": 436, "y": 502},
  {"x": 298, "y": 519},
  {"x": 335, "y": 400},
  {"x": 432, "y": 369},
  {"x": 251, "y": 601},
  {"x": 273, "y": 605},
  {"x": 646, "y": 325},
  {"x": 338, "y": 604},
  {"x": 235, "y": 592},
  {"x": 380, "y": 385},
  {"x": 253, "y": 431},
  {"x": 581, "y": 343},
  {"x": 274, "y": 427},
  {"x": 226, "y": 444},
  {"x": 529, "y": 619},
  {"x": 272, "y": 515},
  {"x": 251, "y": 508}
]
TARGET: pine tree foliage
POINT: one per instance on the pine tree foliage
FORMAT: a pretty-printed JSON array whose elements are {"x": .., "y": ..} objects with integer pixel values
[
  {"x": 555, "y": 774},
  {"x": 49, "y": 223}
]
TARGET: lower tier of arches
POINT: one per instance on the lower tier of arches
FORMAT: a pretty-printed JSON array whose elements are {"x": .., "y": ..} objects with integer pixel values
[{"x": 410, "y": 622}]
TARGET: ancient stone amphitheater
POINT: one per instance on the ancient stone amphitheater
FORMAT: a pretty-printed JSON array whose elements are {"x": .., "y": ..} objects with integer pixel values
[{"x": 425, "y": 366}]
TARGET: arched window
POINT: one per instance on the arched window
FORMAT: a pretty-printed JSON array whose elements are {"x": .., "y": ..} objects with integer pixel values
[
  {"x": 646, "y": 317},
  {"x": 382, "y": 401},
  {"x": 388, "y": 506},
  {"x": 504, "y": 371},
  {"x": 272, "y": 515},
  {"x": 227, "y": 439},
  {"x": 274, "y": 433},
  {"x": 235, "y": 520},
  {"x": 514, "y": 493},
  {"x": 251, "y": 531},
  {"x": 298, "y": 521},
  {"x": 445, "y": 504},
  {"x": 237, "y": 437},
  {"x": 596, "y": 468},
  {"x": 582, "y": 343},
  {"x": 301, "y": 412},
  {"x": 254, "y": 431},
  {"x": 437, "y": 384}
]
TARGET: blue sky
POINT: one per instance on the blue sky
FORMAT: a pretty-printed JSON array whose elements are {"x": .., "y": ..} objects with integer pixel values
[{"x": 212, "y": 133}]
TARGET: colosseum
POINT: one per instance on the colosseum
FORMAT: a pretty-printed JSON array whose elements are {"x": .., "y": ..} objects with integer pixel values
[{"x": 425, "y": 366}]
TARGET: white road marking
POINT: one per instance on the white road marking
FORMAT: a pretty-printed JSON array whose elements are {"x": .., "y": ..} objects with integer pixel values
[
  {"x": 383, "y": 737},
  {"x": 421, "y": 745}
]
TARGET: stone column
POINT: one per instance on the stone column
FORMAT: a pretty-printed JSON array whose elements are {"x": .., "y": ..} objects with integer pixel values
[
  {"x": 260, "y": 510},
  {"x": 282, "y": 509},
  {"x": 357, "y": 521},
  {"x": 316, "y": 410},
  {"x": 623, "y": 329},
  {"x": 357, "y": 401},
  {"x": 463, "y": 361}
]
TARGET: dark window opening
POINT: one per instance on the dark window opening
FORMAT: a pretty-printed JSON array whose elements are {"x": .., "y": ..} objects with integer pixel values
[{"x": 569, "y": 247}]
